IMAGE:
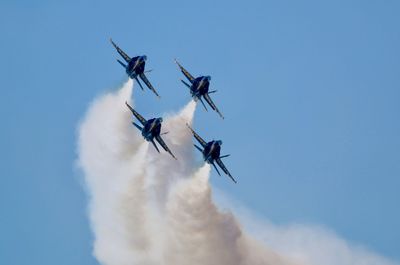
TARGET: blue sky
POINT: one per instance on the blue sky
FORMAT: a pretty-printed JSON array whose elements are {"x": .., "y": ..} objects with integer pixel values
[{"x": 310, "y": 92}]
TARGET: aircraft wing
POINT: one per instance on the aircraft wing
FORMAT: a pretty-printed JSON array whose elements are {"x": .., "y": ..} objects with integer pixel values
[
  {"x": 136, "y": 114},
  {"x": 148, "y": 84},
  {"x": 185, "y": 72},
  {"x": 121, "y": 52},
  {"x": 198, "y": 138},
  {"x": 211, "y": 103},
  {"x": 164, "y": 145},
  {"x": 222, "y": 166}
]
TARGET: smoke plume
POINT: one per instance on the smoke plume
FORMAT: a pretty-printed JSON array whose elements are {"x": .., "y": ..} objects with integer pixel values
[{"x": 147, "y": 208}]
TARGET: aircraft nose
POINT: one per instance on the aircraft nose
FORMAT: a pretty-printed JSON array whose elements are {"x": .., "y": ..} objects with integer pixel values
[
  {"x": 219, "y": 142},
  {"x": 160, "y": 120},
  {"x": 144, "y": 57},
  {"x": 209, "y": 78}
]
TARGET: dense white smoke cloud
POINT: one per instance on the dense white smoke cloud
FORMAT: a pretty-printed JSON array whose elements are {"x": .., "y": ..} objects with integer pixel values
[
  {"x": 308, "y": 244},
  {"x": 147, "y": 208},
  {"x": 113, "y": 158},
  {"x": 198, "y": 233}
]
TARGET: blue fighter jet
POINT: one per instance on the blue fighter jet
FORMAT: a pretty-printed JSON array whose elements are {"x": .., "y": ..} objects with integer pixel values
[
  {"x": 135, "y": 68},
  {"x": 199, "y": 88},
  {"x": 151, "y": 130},
  {"x": 211, "y": 152}
]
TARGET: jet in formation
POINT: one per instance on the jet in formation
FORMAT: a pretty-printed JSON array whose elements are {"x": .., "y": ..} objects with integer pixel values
[
  {"x": 151, "y": 130},
  {"x": 134, "y": 67},
  {"x": 199, "y": 88},
  {"x": 211, "y": 152}
]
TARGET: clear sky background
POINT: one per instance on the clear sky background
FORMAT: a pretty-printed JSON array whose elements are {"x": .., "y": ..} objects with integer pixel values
[{"x": 310, "y": 92}]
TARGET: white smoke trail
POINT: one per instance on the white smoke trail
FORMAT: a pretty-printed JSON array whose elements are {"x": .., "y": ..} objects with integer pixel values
[
  {"x": 113, "y": 156},
  {"x": 309, "y": 244},
  {"x": 200, "y": 234},
  {"x": 130, "y": 184},
  {"x": 145, "y": 207},
  {"x": 179, "y": 141}
]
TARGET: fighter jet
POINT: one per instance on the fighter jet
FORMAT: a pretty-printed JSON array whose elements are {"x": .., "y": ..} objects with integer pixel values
[
  {"x": 151, "y": 130},
  {"x": 135, "y": 67},
  {"x": 211, "y": 152},
  {"x": 199, "y": 88}
]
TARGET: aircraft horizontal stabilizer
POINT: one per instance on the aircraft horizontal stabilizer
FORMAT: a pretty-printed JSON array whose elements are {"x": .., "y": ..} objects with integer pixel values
[
  {"x": 121, "y": 63},
  {"x": 137, "y": 126},
  {"x": 186, "y": 84},
  {"x": 198, "y": 148}
]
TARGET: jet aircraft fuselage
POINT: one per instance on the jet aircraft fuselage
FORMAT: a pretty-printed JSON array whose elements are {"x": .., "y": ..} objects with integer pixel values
[
  {"x": 212, "y": 151},
  {"x": 200, "y": 86},
  {"x": 152, "y": 129},
  {"x": 136, "y": 66}
]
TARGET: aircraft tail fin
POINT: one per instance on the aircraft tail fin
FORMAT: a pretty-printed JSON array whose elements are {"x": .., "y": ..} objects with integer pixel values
[
  {"x": 224, "y": 156},
  {"x": 213, "y": 91},
  {"x": 164, "y": 133},
  {"x": 137, "y": 80},
  {"x": 204, "y": 105},
  {"x": 137, "y": 126},
  {"x": 216, "y": 168},
  {"x": 121, "y": 63},
  {"x": 155, "y": 145}
]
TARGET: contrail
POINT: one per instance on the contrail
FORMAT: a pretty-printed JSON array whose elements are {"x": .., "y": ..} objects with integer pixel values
[{"x": 147, "y": 208}]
